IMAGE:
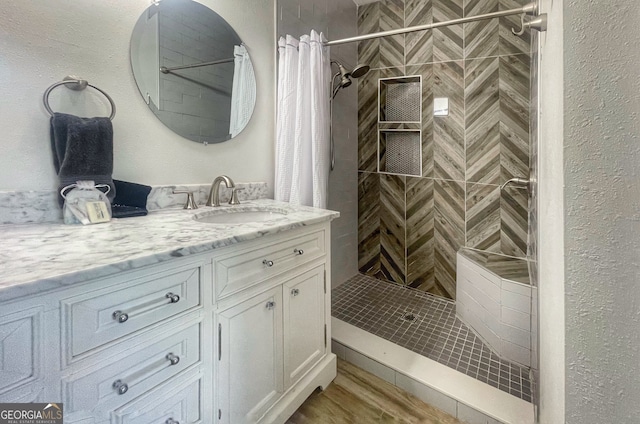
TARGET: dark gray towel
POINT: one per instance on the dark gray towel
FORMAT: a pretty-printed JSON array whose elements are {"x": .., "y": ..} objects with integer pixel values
[
  {"x": 82, "y": 150},
  {"x": 131, "y": 199}
]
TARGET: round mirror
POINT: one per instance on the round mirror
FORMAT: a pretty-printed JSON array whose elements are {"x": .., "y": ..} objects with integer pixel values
[{"x": 193, "y": 71}]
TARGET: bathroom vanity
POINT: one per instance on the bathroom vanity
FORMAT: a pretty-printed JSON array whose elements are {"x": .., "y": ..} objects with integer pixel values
[{"x": 164, "y": 319}]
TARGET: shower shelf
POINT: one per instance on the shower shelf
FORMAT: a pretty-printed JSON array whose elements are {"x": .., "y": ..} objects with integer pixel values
[
  {"x": 400, "y": 99},
  {"x": 400, "y": 152},
  {"x": 400, "y": 125}
]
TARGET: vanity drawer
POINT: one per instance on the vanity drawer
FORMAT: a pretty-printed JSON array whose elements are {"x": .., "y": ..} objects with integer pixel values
[
  {"x": 177, "y": 401},
  {"x": 241, "y": 269},
  {"x": 105, "y": 315},
  {"x": 108, "y": 385}
]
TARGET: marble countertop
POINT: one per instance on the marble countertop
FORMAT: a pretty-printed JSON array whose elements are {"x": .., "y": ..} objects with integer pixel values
[{"x": 35, "y": 258}]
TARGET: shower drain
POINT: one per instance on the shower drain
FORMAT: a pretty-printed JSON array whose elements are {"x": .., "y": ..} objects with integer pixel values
[{"x": 409, "y": 316}]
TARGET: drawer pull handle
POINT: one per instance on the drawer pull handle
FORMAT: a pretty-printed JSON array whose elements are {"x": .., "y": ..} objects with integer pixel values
[
  {"x": 271, "y": 304},
  {"x": 120, "y": 385},
  {"x": 173, "y": 298},
  {"x": 171, "y": 421},
  {"x": 120, "y": 317},
  {"x": 268, "y": 263},
  {"x": 298, "y": 251},
  {"x": 295, "y": 292},
  {"x": 173, "y": 359}
]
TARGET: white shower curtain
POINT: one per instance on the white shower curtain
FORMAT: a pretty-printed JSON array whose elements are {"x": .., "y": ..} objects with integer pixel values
[
  {"x": 243, "y": 94},
  {"x": 302, "y": 141}
]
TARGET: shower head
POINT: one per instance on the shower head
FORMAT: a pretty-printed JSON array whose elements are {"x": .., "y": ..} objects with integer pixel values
[
  {"x": 345, "y": 76},
  {"x": 359, "y": 71}
]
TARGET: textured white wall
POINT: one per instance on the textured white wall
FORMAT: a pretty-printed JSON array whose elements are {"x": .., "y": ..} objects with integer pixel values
[
  {"x": 43, "y": 41},
  {"x": 602, "y": 211},
  {"x": 550, "y": 219}
]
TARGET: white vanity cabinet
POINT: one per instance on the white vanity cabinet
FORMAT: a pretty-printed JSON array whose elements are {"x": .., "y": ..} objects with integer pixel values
[
  {"x": 237, "y": 334},
  {"x": 267, "y": 343},
  {"x": 276, "y": 333}
]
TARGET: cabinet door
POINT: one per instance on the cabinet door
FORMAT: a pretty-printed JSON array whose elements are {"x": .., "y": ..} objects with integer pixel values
[
  {"x": 304, "y": 323},
  {"x": 21, "y": 345},
  {"x": 250, "y": 358}
]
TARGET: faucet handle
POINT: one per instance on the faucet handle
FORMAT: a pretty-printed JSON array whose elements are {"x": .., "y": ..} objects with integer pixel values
[
  {"x": 234, "y": 196},
  {"x": 191, "y": 203}
]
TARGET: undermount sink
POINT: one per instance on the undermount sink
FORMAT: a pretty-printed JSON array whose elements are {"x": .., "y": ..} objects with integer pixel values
[{"x": 240, "y": 215}]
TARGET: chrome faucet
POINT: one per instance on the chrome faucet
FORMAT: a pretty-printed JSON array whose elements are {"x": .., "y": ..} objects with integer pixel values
[{"x": 214, "y": 193}]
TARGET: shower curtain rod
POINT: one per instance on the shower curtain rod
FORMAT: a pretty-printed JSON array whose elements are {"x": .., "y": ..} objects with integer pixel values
[{"x": 539, "y": 22}]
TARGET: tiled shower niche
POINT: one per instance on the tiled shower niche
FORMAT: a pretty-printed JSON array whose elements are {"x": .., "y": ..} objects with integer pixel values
[
  {"x": 411, "y": 224},
  {"x": 399, "y": 125},
  {"x": 400, "y": 99},
  {"x": 400, "y": 152}
]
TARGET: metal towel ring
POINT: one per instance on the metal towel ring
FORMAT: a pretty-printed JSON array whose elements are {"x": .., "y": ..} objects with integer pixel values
[{"x": 76, "y": 84}]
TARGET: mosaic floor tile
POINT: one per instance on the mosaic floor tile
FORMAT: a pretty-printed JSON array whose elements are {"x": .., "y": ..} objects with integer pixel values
[{"x": 427, "y": 325}]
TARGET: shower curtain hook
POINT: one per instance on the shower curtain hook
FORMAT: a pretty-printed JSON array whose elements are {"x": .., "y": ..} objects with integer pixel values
[
  {"x": 539, "y": 23},
  {"x": 523, "y": 25}
]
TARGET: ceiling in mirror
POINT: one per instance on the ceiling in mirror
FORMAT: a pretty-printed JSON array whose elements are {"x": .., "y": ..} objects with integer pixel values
[{"x": 193, "y": 71}]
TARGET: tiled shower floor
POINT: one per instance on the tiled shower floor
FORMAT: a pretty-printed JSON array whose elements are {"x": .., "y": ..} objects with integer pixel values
[{"x": 427, "y": 325}]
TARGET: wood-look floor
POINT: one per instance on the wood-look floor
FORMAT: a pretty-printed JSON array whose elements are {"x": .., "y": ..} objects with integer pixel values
[{"x": 357, "y": 397}]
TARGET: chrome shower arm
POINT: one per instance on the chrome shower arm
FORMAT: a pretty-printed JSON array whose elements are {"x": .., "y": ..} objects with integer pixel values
[{"x": 520, "y": 182}]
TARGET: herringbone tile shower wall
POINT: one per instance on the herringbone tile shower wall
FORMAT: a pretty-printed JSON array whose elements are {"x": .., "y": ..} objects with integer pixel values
[{"x": 410, "y": 227}]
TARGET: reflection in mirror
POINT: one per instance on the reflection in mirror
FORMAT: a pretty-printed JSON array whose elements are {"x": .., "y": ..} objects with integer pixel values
[{"x": 193, "y": 71}]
